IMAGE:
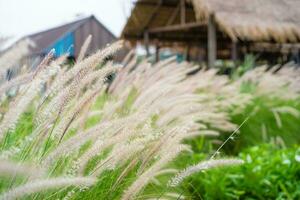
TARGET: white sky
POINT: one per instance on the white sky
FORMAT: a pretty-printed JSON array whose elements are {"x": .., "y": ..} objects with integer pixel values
[{"x": 22, "y": 17}]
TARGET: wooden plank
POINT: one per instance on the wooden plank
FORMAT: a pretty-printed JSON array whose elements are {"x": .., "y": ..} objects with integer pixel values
[
  {"x": 177, "y": 27},
  {"x": 212, "y": 41}
]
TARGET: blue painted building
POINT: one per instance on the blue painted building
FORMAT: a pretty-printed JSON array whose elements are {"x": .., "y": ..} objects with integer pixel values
[{"x": 69, "y": 38}]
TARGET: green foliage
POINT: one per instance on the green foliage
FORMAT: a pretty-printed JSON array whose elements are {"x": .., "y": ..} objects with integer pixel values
[
  {"x": 263, "y": 127},
  {"x": 248, "y": 64},
  {"x": 101, "y": 100},
  {"x": 109, "y": 186},
  {"x": 128, "y": 102},
  {"x": 268, "y": 173},
  {"x": 23, "y": 128}
]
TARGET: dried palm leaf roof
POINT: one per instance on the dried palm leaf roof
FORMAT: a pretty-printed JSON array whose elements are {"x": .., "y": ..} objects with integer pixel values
[
  {"x": 254, "y": 20},
  {"x": 249, "y": 20}
]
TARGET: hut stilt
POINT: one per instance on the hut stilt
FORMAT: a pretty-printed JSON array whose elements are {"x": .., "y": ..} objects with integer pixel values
[{"x": 212, "y": 41}]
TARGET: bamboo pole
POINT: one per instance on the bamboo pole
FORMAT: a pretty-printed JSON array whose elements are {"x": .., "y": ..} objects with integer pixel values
[{"x": 212, "y": 41}]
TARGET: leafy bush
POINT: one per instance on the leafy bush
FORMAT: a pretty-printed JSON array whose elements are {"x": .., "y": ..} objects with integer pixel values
[
  {"x": 266, "y": 125},
  {"x": 268, "y": 173},
  {"x": 273, "y": 119}
]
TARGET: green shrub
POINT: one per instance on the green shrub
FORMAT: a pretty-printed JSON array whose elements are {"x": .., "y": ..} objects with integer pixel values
[
  {"x": 263, "y": 127},
  {"x": 268, "y": 173}
]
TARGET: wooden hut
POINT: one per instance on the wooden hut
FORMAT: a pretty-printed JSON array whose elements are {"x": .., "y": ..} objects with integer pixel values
[
  {"x": 219, "y": 29},
  {"x": 69, "y": 38},
  {"x": 65, "y": 39}
]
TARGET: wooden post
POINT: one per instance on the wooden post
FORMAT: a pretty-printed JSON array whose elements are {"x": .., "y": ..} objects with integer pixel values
[
  {"x": 146, "y": 42},
  {"x": 182, "y": 11},
  {"x": 157, "y": 53},
  {"x": 234, "y": 52},
  {"x": 212, "y": 41},
  {"x": 187, "y": 53},
  {"x": 202, "y": 51},
  {"x": 298, "y": 56}
]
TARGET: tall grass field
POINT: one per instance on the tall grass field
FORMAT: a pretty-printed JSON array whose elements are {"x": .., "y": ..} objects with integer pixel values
[{"x": 96, "y": 129}]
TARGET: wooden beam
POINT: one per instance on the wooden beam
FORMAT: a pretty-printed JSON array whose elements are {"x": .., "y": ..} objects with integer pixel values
[
  {"x": 153, "y": 3},
  {"x": 212, "y": 41},
  {"x": 174, "y": 15},
  {"x": 166, "y": 4},
  {"x": 153, "y": 14},
  {"x": 177, "y": 27},
  {"x": 182, "y": 12}
]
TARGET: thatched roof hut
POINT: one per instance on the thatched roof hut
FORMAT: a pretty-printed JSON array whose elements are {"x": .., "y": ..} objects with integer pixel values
[
  {"x": 224, "y": 28},
  {"x": 255, "y": 20}
]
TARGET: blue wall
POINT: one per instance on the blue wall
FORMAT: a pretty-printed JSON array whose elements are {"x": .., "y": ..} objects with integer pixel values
[{"x": 64, "y": 45}]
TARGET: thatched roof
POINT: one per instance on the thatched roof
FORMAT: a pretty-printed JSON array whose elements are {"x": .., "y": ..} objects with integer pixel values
[
  {"x": 255, "y": 19},
  {"x": 246, "y": 20},
  {"x": 147, "y": 14}
]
